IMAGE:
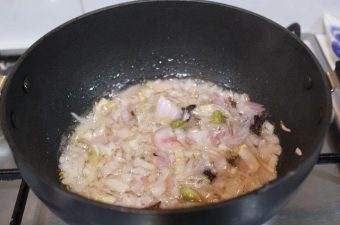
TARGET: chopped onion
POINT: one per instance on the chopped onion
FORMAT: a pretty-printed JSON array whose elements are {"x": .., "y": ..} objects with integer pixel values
[
  {"x": 101, "y": 139},
  {"x": 166, "y": 109},
  {"x": 255, "y": 107},
  {"x": 144, "y": 164},
  {"x": 249, "y": 158},
  {"x": 116, "y": 185},
  {"x": 158, "y": 189},
  {"x": 267, "y": 128},
  {"x": 78, "y": 118},
  {"x": 164, "y": 137},
  {"x": 283, "y": 126},
  {"x": 298, "y": 151},
  {"x": 170, "y": 143}
]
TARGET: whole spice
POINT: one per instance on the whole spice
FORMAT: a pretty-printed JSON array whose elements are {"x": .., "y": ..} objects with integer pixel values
[
  {"x": 209, "y": 174},
  {"x": 256, "y": 128},
  {"x": 190, "y": 195}
]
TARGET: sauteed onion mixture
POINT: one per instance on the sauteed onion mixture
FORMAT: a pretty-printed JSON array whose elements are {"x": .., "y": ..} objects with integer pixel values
[{"x": 170, "y": 143}]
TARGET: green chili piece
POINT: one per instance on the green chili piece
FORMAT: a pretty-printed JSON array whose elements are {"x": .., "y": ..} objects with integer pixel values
[
  {"x": 177, "y": 123},
  {"x": 218, "y": 116}
]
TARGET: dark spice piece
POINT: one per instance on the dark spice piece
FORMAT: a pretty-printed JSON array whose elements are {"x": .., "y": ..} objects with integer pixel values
[
  {"x": 187, "y": 112},
  {"x": 232, "y": 102},
  {"x": 210, "y": 175},
  {"x": 189, "y": 108},
  {"x": 233, "y": 160},
  {"x": 256, "y": 128},
  {"x": 154, "y": 154},
  {"x": 154, "y": 206},
  {"x": 132, "y": 113}
]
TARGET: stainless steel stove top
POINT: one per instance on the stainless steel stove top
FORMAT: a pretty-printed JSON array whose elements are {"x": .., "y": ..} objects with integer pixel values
[{"x": 316, "y": 202}]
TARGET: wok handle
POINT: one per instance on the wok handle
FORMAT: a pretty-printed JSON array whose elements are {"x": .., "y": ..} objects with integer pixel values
[
  {"x": 336, "y": 106},
  {"x": 333, "y": 77},
  {"x": 2, "y": 82},
  {"x": 295, "y": 29},
  {"x": 328, "y": 158}
]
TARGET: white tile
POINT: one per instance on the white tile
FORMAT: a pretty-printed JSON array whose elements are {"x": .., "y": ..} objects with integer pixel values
[
  {"x": 90, "y": 5},
  {"x": 307, "y": 13},
  {"x": 23, "y": 22}
]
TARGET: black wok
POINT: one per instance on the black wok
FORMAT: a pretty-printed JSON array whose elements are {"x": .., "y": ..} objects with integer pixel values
[{"x": 70, "y": 67}]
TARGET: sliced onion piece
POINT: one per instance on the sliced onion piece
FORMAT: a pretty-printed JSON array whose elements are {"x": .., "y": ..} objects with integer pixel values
[
  {"x": 163, "y": 138},
  {"x": 116, "y": 185},
  {"x": 167, "y": 109},
  {"x": 144, "y": 164},
  {"x": 249, "y": 158}
]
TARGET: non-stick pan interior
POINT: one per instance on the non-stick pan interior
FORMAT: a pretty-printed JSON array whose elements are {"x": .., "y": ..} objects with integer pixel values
[{"x": 75, "y": 65}]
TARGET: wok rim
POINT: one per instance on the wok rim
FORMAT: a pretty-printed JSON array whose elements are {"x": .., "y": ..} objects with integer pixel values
[{"x": 311, "y": 160}]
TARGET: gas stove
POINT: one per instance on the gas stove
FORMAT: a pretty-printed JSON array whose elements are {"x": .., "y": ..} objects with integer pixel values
[{"x": 317, "y": 201}]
